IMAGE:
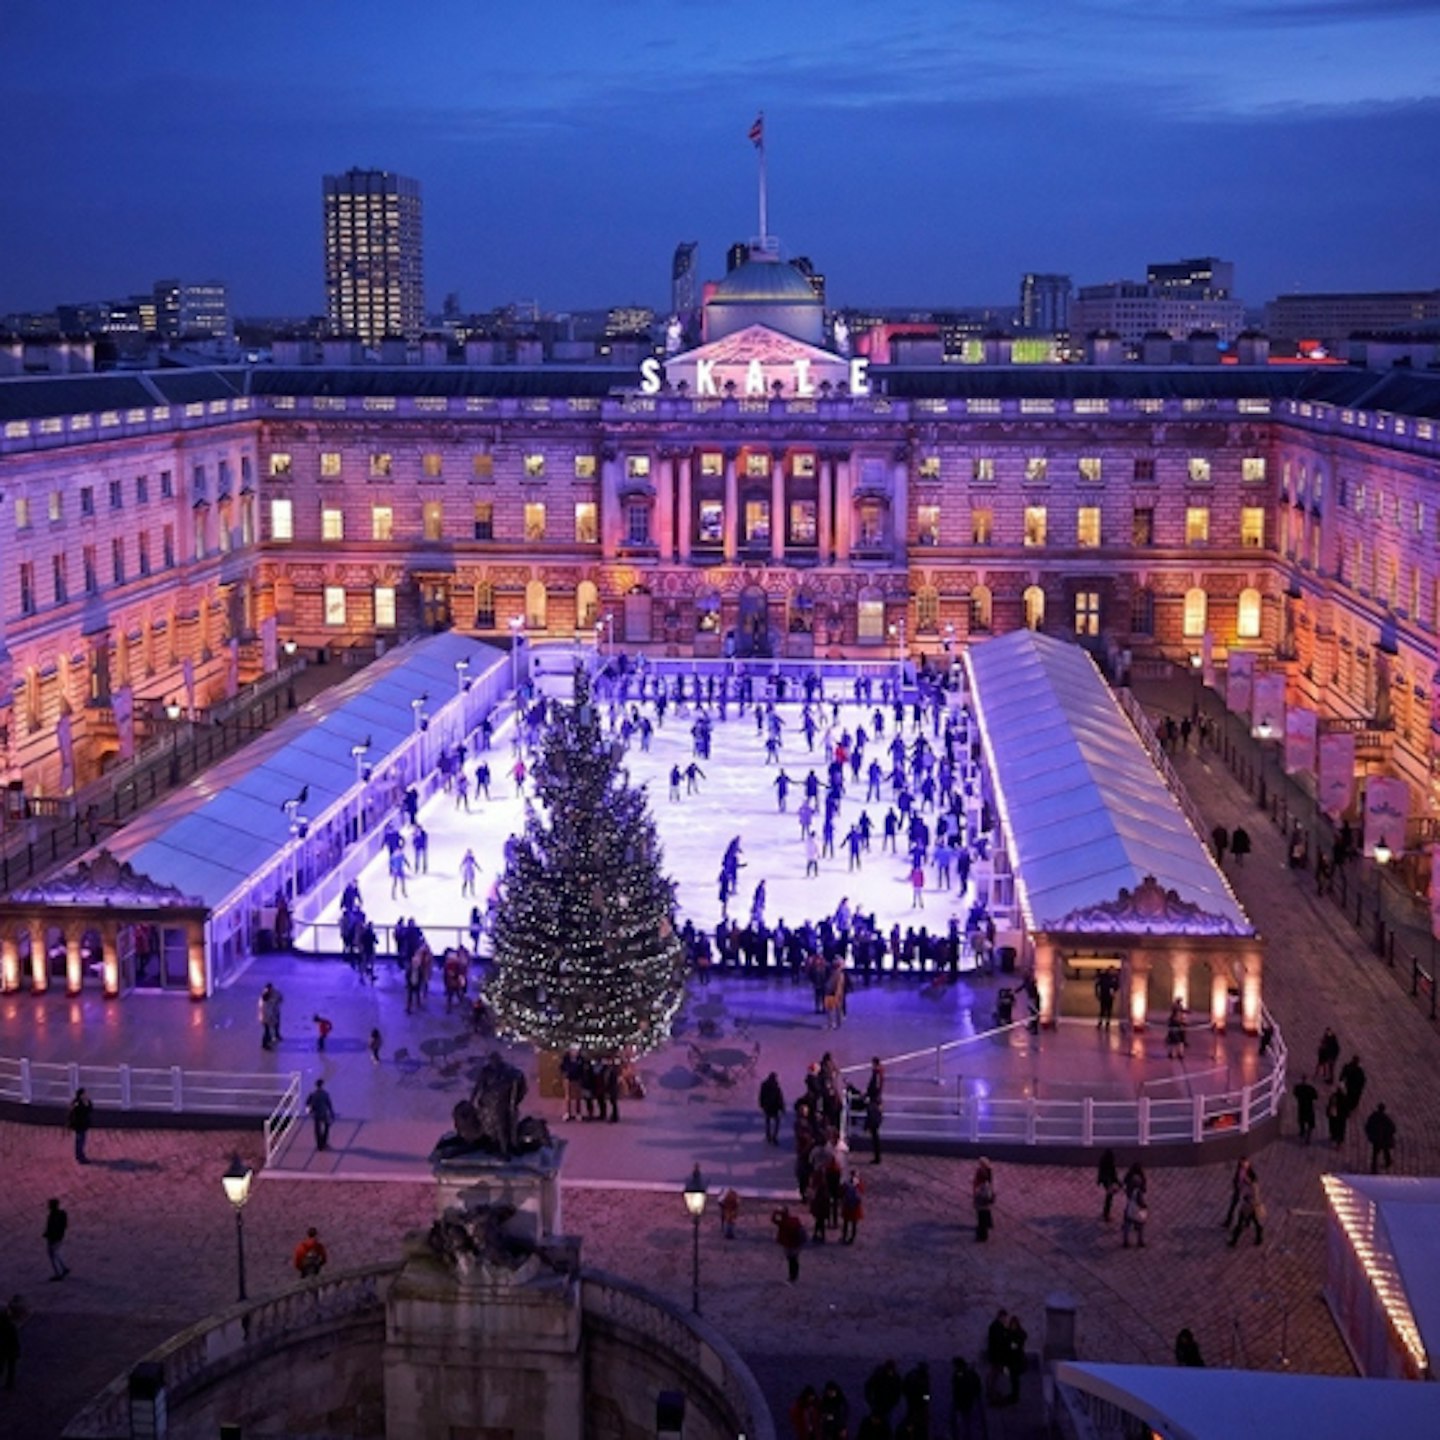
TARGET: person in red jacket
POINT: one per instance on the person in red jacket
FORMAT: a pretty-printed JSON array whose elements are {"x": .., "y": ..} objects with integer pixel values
[{"x": 310, "y": 1254}]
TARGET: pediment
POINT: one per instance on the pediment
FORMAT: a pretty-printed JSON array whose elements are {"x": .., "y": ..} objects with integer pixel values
[
  {"x": 750, "y": 363},
  {"x": 758, "y": 342}
]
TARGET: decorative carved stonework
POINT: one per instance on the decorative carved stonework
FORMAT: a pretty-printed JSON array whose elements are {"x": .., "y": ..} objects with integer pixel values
[
  {"x": 105, "y": 881},
  {"x": 1147, "y": 909}
]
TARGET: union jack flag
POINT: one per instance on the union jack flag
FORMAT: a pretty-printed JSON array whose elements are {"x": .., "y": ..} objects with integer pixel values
[{"x": 757, "y": 131}]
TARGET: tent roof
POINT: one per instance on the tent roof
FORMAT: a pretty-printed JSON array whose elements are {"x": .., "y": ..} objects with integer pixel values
[
  {"x": 1187, "y": 1404},
  {"x": 210, "y": 837},
  {"x": 1086, "y": 813}
]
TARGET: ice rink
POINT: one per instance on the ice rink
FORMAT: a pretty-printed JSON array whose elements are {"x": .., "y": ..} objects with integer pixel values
[{"x": 737, "y": 796}]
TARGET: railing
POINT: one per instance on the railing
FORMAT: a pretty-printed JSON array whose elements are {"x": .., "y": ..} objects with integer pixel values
[
  {"x": 285, "y": 1114},
  {"x": 171, "y": 1090},
  {"x": 945, "y": 1113}
]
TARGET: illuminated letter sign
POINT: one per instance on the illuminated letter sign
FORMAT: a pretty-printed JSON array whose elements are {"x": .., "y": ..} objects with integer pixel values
[
  {"x": 650, "y": 376},
  {"x": 859, "y": 376},
  {"x": 705, "y": 378},
  {"x": 802, "y": 378},
  {"x": 754, "y": 378}
]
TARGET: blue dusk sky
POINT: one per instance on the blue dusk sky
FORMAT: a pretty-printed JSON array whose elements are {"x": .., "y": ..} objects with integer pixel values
[{"x": 921, "y": 153}]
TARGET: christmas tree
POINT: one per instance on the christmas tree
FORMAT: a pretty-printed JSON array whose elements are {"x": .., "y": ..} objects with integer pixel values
[{"x": 585, "y": 945}]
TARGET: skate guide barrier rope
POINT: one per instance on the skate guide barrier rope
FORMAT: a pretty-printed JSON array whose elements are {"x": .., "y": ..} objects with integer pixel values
[{"x": 949, "y": 1114}]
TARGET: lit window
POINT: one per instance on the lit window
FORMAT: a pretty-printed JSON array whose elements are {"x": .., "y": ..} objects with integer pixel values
[
  {"x": 584, "y": 467},
  {"x": 1090, "y": 470},
  {"x": 57, "y": 507},
  {"x": 334, "y": 604},
  {"x": 1035, "y": 522},
  {"x": 534, "y": 467},
  {"x": 1142, "y": 525},
  {"x": 332, "y": 523},
  {"x": 982, "y": 470},
  {"x": 381, "y": 464},
  {"x": 757, "y": 522},
  {"x": 1197, "y": 525},
  {"x": 757, "y": 466},
  {"x": 1087, "y": 612},
  {"x": 484, "y": 520},
  {"x": 587, "y": 528},
  {"x": 1252, "y": 527},
  {"x": 711, "y": 528},
  {"x": 804, "y": 529},
  {"x": 980, "y": 607},
  {"x": 927, "y": 610},
  {"x": 1247, "y": 615},
  {"x": 1034, "y": 602},
  {"x": 1199, "y": 470},
  {"x": 1037, "y": 468},
  {"x": 282, "y": 519},
  {"x": 432, "y": 466},
  {"x": 982, "y": 526},
  {"x": 433, "y": 520},
  {"x": 712, "y": 462},
  {"x": 930, "y": 467},
  {"x": 1252, "y": 469},
  {"x": 483, "y": 467},
  {"x": 870, "y": 530},
  {"x": 1194, "y": 622},
  {"x": 329, "y": 464},
  {"x": 803, "y": 466},
  {"x": 534, "y": 520},
  {"x": 1087, "y": 526},
  {"x": 637, "y": 467},
  {"x": 384, "y": 607},
  {"x": 22, "y": 513},
  {"x": 382, "y": 522},
  {"x": 281, "y": 465},
  {"x": 927, "y": 524}
]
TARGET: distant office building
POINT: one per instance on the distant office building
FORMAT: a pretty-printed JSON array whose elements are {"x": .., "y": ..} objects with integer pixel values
[
  {"x": 629, "y": 320},
  {"x": 1334, "y": 318},
  {"x": 684, "y": 278},
  {"x": 1135, "y": 310},
  {"x": 806, "y": 267},
  {"x": 374, "y": 275},
  {"x": 205, "y": 310},
  {"x": 1045, "y": 303},
  {"x": 737, "y": 255},
  {"x": 166, "y": 303},
  {"x": 1204, "y": 278}
]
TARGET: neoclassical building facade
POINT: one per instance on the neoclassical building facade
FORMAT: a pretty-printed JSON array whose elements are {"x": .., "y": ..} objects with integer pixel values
[{"x": 163, "y": 535}]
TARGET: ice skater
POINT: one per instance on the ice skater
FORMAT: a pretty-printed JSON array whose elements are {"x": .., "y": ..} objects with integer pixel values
[{"x": 469, "y": 870}]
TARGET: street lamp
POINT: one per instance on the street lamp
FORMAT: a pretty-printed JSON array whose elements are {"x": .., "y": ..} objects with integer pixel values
[
  {"x": 236, "y": 1181},
  {"x": 517, "y": 626},
  {"x": 462, "y": 676},
  {"x": 417, "y": 708},
  {"x": 609, "y": 632},
  {"x": 897, "y": 634},
  {"x": 172, "y": 711},
  {"x": 289, "y": 647},
  {"x": 1263, "y": 732},
  {"x": 695, "y": 1204},
  {"x": 358, "y": 753}
]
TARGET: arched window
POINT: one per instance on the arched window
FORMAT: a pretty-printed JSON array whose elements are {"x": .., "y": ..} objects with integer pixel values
[
  {"x": 870, "y": 617},
  {"x": 927, "y": 610},
  {"x": 1247, "y": 619},
  {"x": 1195, "y": 608},
  {"x": 1034, "y": 599},
  {"x": 536, "y": 606},
  {"x": 981, "y": 603},
  {"x": 587, "y": 605}
]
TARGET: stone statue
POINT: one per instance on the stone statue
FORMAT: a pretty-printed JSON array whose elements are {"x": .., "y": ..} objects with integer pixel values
[
  {"x": 674, "y": 335},
  {"x": 842, "y": 336},
  {"x": 468, "y": 1234},
  {"x": 489, "y": 1120}
]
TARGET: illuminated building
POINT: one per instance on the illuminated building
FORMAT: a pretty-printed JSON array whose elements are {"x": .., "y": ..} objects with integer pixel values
[
  {"x": 684, "y": 278},
  {"x": 1045, "y": 303},
  {"x": 374, "y": 281}
]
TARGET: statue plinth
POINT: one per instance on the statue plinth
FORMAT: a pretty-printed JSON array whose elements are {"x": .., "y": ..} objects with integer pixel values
[{"x": 530, "y": 1183}]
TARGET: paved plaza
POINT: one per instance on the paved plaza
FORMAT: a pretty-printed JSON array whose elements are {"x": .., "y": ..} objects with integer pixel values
[{"x": 152, "y": 1244}]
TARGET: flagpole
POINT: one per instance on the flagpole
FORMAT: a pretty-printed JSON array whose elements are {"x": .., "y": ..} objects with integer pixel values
[{"x": 764, "y": 230}]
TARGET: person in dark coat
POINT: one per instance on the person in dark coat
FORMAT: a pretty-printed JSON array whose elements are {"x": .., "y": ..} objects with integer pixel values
[
  {"x": 1305, "y": 1097},
  {"x": 1337, "y": 1116},
  {"x": 772, "y": 1103},
  {"x": 1380, "y": 1132},
  {"x": 1107, "y": 1177},
  {"x": 875, "y": 1107},
  {"x": 1187, "y": 1351},
  {"x": 1240, "y": 844},
  {"x": 1352, "y": 1081}
]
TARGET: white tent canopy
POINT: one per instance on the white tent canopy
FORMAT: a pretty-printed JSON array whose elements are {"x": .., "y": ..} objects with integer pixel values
[{"x": 1084, "y": 809}]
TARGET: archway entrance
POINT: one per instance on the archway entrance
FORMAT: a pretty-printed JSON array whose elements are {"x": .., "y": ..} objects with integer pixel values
[{"x": 752, "y": 630}]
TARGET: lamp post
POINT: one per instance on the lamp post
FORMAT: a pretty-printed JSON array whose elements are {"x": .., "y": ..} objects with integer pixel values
[
  {"x": 897, "y": 634},
  {"x": 1383, "y": 855},
  {"x": 1263, "y": 733},
  {"x": 462, "y": 676},
  {"x": 949, "y": 652},
  {"x": 517, "y": 627},
  {"x": 695, "y": 1204},
  {"x": 358, "y": 754},
  {"x": 609, "y": 632},
  {"x": 236, "y": 1181}
]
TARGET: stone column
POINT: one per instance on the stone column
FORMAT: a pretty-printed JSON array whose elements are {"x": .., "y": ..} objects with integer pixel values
[
  {"x": 665, "y": 506},
  {"x": 110, "y": 962},
  {"x": 777, "y": 508},
  {"x": 609, "y": 504},
  {"x": 900, "y": 506},
  {"x": 39, "y": 960},
  {"x": 1047, "y": 981},
  {"x": 732, "y": 507},
  {"x": 9, "y": 962},
  {"x": 198, "y": 967},
  {"x": 1219, "y": 994},
  {"x": 686, "y": 508},
  {"x": 824, "y": 526},
  {"x": 1139, "y": 989},
  {"x": 74, "y": 971},
  {"x": 1180, "y": 978},
  {"x": 844, "y": 508},
  {"x": 1250, "y": 993}
]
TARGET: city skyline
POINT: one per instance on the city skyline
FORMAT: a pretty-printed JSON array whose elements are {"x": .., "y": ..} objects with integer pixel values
[{"x": 1088, "y": 138}]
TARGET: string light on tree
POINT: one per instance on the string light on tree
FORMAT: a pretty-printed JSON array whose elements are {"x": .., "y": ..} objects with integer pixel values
[{"x": 586, "y": 949}]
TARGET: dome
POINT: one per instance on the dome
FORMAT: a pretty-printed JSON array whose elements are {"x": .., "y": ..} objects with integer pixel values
[{"x": 765, "y": 282}]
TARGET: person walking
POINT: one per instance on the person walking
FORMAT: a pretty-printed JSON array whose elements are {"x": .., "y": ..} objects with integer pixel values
[
  {"x": 1107, "y": 985},
  {"x": 1237, "y": 1182},
  {"x": 321, "y": 1109},
  {"x": 1187, "y": 1351},
  {"x": 1252, "y": 1208},
  {"x": 967, "y": 1416},
  {"x": 1337, "y": 1116},
  {"x": 772, "y": 1105},
  {"x": 323, "y": 1027},
  {"x": 1240, "y": 844},
  {"x": 1107, "y": 1177},
  {"x": 79, "y": 1120},
  {"x": 311, "y": 1255},
  {"x": 1016, "y": 1361},
  {"x": 1306, "y": 1096},
  {"x": 374, "y": 1047},
  {"x": 729, "y": 1212},
  {"x": 1137, "y": 1206},
  {"x": 875, "y": 1107},
  {"x": 1326, "y": 1056},
  {"x": 1380, "y": 1132},
  {"x": 852, "y": 1208},
  {"x": 1352, "y": 1081},
  {"x": 57, "y": 1222},
  {"x": 997, "y": 1350},
  {"x": 268, "y": 1013},
  {"x": 790, "y": 1236},
  {"x": 1220, "y": 837},
  {"x": 982, "y": 1195}
]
